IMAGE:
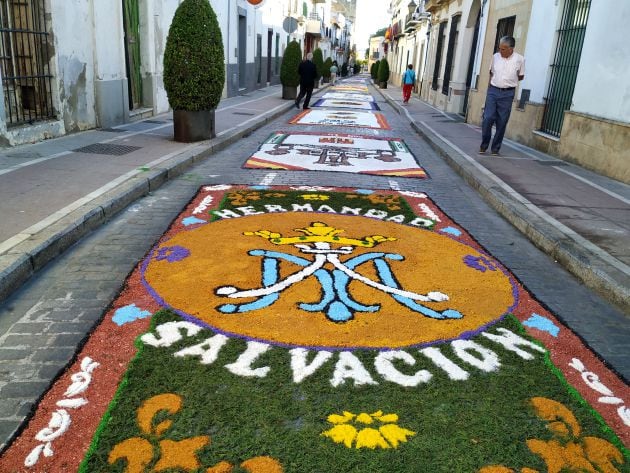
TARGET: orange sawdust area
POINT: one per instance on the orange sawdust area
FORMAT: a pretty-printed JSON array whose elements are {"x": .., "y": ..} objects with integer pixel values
[
  {"x": 483, "y": 297},
  {"x": 275, "y": 384}
]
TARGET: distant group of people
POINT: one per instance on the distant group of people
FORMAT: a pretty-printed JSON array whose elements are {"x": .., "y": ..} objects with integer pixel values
[{"x": 506, "y": 70}]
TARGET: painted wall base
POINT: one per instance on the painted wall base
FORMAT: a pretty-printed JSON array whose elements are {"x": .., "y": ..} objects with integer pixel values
[
  {"x": 112, "y": 104},
  {"x": 32, "y": 133}
]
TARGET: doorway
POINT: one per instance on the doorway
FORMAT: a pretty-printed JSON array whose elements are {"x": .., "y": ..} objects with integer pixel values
[
  {"x": 242, "y": 52},
  {"x": 131, "y": 23}
]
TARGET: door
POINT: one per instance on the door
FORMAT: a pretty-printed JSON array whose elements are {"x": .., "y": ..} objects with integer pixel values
[
  {"x": 131, "y": 22},
  {"x": 471, "y": 62},
  {"x": 269, "y": 45},
  {"x": 242, "y": 52}
]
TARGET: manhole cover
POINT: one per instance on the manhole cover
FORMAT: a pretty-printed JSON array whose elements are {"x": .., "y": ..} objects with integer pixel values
[
  {"x": 112, "y": 150},
  {"x": 552, "y": 163},
  {"x": 244, "y": 113}
]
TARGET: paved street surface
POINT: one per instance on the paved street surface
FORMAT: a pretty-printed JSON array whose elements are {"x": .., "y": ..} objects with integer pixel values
[{"x": 44, "y": 321}]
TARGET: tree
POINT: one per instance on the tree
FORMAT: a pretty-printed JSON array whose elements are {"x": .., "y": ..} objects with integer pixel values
[
  {"x": 383, "y": 71},
  {"x": 194, "y": 71},
  {"x": 289, "y": 76},
  {"x": 318, "y": 59}
]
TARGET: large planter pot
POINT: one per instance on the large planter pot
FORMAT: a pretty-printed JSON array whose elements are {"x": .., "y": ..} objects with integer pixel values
[
  {"x": 383, "y": 85},
  {"x": 316, "y": 86},
  {"x": 289, "y": 92},
  {"x": 193, "y": 126}
]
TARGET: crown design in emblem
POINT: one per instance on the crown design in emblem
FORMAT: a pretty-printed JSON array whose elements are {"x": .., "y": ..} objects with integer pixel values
[{"x": 319, "y": 232}]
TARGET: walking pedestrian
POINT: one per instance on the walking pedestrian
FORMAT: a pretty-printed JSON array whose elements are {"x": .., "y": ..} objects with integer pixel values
[
  {"x": 506, "y": 70},
  {"x": 333, "y": 73},
  {"x": 409, "y": 79},
  {"x": 308, "y": 73}
]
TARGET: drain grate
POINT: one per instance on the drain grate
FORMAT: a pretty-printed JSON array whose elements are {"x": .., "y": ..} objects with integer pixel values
[
  {"x": 160, "y": 122},
  {"x": 244, "y": 113},
  {"x": 112, "y": 130},
  {"x": 552, "y": 163},
  {"x": 108, "y": 149}
]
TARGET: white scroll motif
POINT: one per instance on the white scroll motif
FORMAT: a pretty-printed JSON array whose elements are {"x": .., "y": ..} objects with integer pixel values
[
  {"x": 593, "y": 382},
  {"x": 60, "y": 419}
]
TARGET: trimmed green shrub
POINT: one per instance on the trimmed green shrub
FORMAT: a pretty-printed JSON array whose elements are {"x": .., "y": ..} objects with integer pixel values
[
  {"x": 344, "y": 69},
  {"x": 383, "y": 71},
  {"x": 194, "y": 71},
  {"x": 318, "y": 59},
  {"x": 374, "y": 69},
  {"x": 327, "y": 65},
  {"x": 289, "y": 75},
  {"x": 357, "y": 68}
]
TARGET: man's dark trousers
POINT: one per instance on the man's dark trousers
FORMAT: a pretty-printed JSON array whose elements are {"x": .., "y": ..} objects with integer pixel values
[
  {"x": 496, "y": 112},
  {"x": 304, "y": 90}
]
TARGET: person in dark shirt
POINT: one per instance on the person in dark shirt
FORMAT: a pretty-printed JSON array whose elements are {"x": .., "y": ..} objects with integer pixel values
[{"x": 308, "y": 73}]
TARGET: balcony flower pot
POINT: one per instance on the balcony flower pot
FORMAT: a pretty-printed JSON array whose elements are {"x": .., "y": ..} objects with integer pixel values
[{"x": 194, "y": 72}]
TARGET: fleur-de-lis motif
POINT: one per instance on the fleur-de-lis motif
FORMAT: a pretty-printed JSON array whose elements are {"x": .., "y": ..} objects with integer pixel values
[
  {"x": 567, "y": 450},
  {"x": 139, "y": 452}
]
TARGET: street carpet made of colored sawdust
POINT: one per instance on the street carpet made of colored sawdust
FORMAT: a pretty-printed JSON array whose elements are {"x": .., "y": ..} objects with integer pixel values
[{"x": 311, "y": 329}]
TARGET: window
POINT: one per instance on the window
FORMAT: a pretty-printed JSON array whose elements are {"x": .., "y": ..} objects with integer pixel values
[
  {"x": 450, "y": 54},
  {"x": 505, "y": 27},
  {"x": 26, "y": 78},
  {"x": 438, "y": 56}
]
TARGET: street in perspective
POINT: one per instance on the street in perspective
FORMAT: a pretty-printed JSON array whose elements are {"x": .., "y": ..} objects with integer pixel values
[{"x": 274, "y": 236}]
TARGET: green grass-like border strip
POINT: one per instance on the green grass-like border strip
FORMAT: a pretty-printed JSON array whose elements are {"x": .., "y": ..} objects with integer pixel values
[
  {"x": 112, "y": 405},
  {"x": 571, "y": 390}
]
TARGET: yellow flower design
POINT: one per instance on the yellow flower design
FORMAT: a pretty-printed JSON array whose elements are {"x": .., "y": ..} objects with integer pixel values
[
  {"x": 382, "y": 433},
  {"x": 314, "y": 197}
]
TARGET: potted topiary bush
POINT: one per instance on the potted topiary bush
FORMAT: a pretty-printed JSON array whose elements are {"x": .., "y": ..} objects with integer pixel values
[
  {"x": 383, "y": 74},
  {"x": 318, "y": 59},
  {"x": 289, "y": 76},
  {"x": 374, "y": 70},
  {"x": 194, "y": 71},
  {"x": 326, "y": 72}
]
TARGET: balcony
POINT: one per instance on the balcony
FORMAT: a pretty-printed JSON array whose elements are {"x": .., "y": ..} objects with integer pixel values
[
  {"x": 314, "y": 25},
  {"x": 432, "y": 5}
]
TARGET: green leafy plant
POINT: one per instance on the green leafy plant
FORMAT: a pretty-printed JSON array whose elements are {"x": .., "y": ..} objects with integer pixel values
[
  {"x": 318, "y": 59},
  {"x": 374, "y": 70},
  {"x": 327, "y": 65},
  {"x": 194, "y": 71},
  {"x": 289, "y": 76},
  {"x": 344, "y": 69},
  {"x": 383, "y": 71}
]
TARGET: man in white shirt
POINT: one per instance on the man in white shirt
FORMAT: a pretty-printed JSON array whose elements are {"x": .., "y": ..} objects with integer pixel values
[{"x": 506, "y": 70}]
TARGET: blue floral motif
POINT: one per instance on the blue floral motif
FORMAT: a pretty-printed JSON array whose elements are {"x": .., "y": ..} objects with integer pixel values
[
  {"x": 364, "y": 191},
  {"x": 172, "y": 254},
  {"x": 128, "y": 314},
  {"x": 192, "y": 221},
  {"x": 451, "y": 231}
]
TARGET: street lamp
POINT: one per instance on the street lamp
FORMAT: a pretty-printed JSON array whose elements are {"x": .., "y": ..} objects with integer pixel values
[{"x": 412, "y": 7}]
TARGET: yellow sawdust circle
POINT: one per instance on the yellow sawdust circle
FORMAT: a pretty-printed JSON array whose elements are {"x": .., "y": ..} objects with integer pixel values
[{"x": 432, "y": 262}]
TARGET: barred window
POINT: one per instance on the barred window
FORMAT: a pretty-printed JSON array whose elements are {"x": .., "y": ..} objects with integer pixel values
[{"x": 24, "y": 61}]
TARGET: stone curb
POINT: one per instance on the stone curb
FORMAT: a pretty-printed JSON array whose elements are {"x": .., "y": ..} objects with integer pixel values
[
  {"x": 23, "y": 260},
  {"x": 594, "y": 267}
]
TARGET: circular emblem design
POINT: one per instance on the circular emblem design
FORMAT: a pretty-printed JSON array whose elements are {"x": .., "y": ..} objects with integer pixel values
[{"x": 332, "y": 281}]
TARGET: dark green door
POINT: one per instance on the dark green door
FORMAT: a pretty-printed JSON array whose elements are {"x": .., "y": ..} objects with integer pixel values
[
  {"x": 131, "y": 17},
  {"x": 565, "y": 65}
]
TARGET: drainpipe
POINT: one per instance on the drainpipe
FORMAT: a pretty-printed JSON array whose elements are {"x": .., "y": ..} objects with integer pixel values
[{"x": 227, "y": 56}]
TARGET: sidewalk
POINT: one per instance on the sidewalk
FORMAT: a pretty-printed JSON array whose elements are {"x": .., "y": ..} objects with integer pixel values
[
  {"x": 54, "y": 192},
  {"x": 579, "y": 218}
]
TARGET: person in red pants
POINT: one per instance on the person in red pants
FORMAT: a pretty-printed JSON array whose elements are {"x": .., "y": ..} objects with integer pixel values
[{"x": 409, "y": 79}]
